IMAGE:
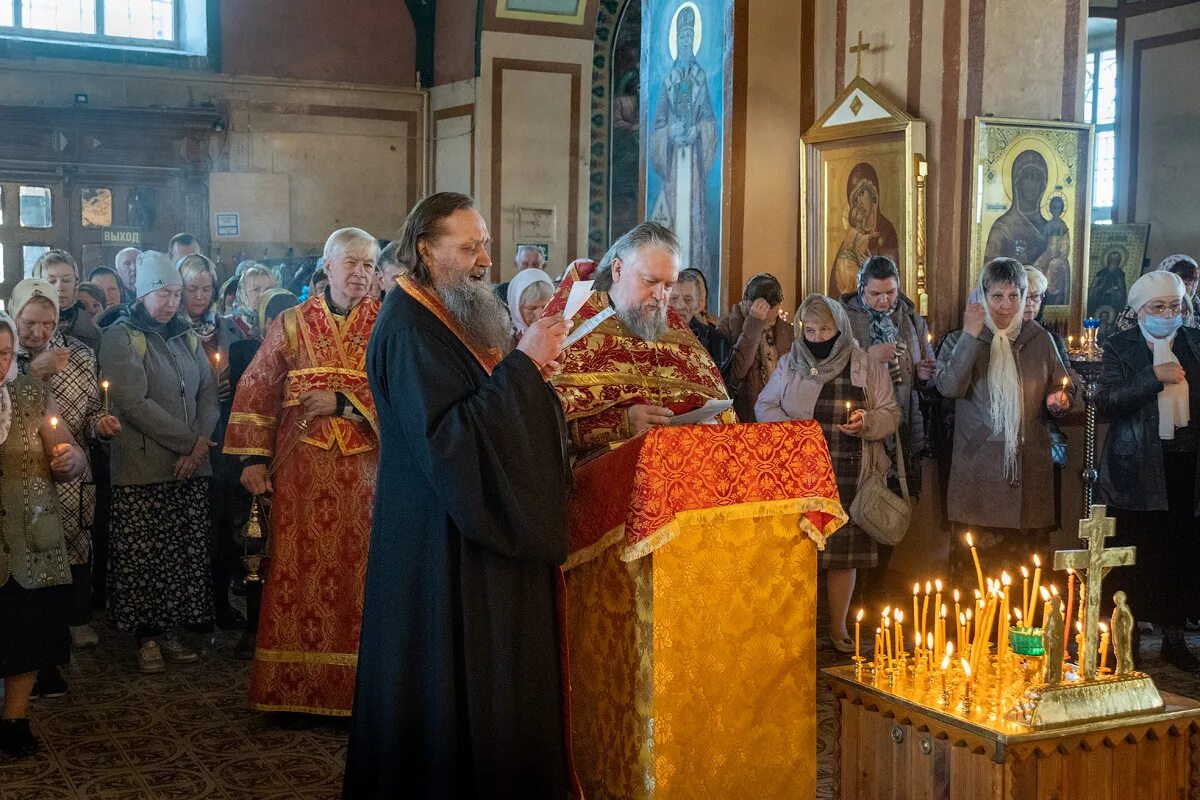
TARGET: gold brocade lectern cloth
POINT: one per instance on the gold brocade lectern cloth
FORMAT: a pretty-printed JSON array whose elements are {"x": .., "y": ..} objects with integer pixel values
[{"x": 692, "y": 600}]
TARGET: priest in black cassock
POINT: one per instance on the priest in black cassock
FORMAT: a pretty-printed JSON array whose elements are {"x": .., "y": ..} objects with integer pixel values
[{"x": 459, "y": 690}]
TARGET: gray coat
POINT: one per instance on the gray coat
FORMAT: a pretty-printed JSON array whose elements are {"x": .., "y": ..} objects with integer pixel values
[
  {"x": 915, "y": 334},
  {"x": 166, "y": 400},
  {"x": 979, "y": 493}
]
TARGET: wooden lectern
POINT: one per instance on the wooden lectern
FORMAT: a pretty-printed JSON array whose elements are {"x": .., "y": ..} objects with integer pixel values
[{"x": 691, "y": 611}]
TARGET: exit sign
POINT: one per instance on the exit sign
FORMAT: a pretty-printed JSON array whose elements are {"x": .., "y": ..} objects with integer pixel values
[{"x": 124, "y": 237}]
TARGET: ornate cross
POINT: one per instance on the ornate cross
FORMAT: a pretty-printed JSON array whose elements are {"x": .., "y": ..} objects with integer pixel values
[
  {"x": 1093, "y": 563},
  {"x": 858, "y": 50}
]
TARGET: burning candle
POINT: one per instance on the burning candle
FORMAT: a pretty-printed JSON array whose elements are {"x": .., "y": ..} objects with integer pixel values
[
  {"x": 916, "y": 618},
  {"x": 878, "y": 646},
  {"x": 1045, "y": 606},
  {"x": 940, "y": 630},
  {"x": 975, "y": 558},
  {"x": 1002, "y": 632},
  {"x": 1103, "y": 647},
  {"x": 962, "y": 630},
  {"x": 1033, "y": 594},
  {"x": 104, "y": 386},
  {"x": 857, "y": 629},
  {"x": 1070, "y": 342},
  {"x": 898, "y": 615},
  {"x": 925, "y": 610},
  {"x": 1025, "y": 591},
  {"x": 887, "y": 639},
  {"x": 847, "y": 412}
]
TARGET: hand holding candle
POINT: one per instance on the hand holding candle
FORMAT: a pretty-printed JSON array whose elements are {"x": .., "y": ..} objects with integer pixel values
[{"x": 104, "y": 385}]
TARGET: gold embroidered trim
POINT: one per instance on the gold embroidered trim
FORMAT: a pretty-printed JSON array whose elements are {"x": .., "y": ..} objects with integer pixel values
[
  {"x": 246, "y": 418},
  {"x": 327, "y": 712},
  {"x": 357, "y": 373},
  {"x": 586, "y": 554},
  {"x": 247, "y": 451},
  {"x": 633, "y": 379},
  {"x": 302, "y": 657},
  {"x": 768, "y": 508}
]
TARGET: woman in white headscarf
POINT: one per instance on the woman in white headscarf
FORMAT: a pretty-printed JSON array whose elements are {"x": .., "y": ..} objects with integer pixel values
[
  {"x": 1148, "y": 478},
  {"x": 35, "y": 573},
  {"x": 827, "y": 377},
  {"x": 1006, "y": 380},
  {"x": 528, "y": 294}
]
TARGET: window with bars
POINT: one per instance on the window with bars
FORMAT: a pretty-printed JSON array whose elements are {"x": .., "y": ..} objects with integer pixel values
[
  {"x": 153, "y": 23},
  {"x": 1100, "y": 109}
]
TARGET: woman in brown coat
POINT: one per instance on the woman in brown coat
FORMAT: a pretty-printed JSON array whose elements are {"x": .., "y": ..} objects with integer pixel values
[
  {"x": 759, "y": 338},
  {"x": 1005, "y": 377}
]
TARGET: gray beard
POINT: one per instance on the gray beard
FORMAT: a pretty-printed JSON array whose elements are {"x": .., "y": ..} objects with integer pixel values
[
  {"x": 649, "y": 328},
  {"x": 481, "y": 313}
]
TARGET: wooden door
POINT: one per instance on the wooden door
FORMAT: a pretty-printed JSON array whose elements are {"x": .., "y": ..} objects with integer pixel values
[{"x": 33, "y": 218}]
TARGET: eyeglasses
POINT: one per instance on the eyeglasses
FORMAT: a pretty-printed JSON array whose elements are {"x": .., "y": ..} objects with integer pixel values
[
  {"x": 1034, "y": 297},
  {"x": 1158, "y": 309}
]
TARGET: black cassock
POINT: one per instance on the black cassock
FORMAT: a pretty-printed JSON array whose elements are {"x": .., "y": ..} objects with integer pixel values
[{"x": 459, "y": 688}]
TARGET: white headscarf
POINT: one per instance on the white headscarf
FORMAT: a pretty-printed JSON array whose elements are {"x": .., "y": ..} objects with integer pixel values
[
  {"x": 517, "y": 286},
  {"x": 1174, "y": 407},
  {"x": 5, "y": 402},
  {"x": 1004, "y": 383}
]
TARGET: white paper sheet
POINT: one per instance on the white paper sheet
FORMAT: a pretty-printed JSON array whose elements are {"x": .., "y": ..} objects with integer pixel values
[
  {"x": 587, "y": 327},
  {"x": 702, "y": 414},
  {"x": 580, "y": 292}
]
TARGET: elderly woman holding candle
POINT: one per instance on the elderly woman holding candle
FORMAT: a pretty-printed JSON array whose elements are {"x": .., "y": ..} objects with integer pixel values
[
  {"x": 1148, "y": 477},
  {"x": 67, "y": 368},
  {"x": 528, "y": 294},
  {"x": 1006, "y": 380},
  {"x": 164, "y": 393},
  {"x": 827, "y": 377},
  {"x": 35, "y": 570}
]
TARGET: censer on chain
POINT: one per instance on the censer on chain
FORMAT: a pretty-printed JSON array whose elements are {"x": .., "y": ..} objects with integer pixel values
[{"x": 256, "y": 530}]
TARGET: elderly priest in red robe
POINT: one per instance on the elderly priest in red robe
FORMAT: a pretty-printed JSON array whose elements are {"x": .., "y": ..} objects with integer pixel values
[
  {"x": 459, "y": 677},
  {"x": 303, "y": 422},
  {"x": 639, "y": 365}
]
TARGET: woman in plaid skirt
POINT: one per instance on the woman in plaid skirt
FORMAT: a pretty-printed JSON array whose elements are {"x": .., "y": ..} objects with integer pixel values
[{"x": 827, "y": 377}]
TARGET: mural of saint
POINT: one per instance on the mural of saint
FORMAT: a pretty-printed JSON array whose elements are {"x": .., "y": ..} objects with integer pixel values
[
  {"x": 1020, "y": 232},
  {"x": 683, "y": 145},
  {"x": 869, "y": 232}
]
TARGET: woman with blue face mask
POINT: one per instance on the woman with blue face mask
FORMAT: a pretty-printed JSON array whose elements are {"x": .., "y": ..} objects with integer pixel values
[{"x": 1148, "y": 475}]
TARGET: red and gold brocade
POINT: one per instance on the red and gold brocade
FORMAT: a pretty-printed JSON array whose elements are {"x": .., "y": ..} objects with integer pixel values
[
  {"x": 324, "y": 488},
  {"x": 610, "y": 369}
]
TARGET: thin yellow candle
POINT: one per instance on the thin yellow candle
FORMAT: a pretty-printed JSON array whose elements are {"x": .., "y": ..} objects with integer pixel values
[
  {"x": 857, "y": 628},
  {"x": 887, "y": 640},
  {"x": 962, "y": 630},
  {"x": 1045, "y": 606},
  {"x": 1037, "y": 584},
  {"x": 946, "y": 664},
  {"x": 1002, "y": 632},
  {"x": 1103, "y": 647},
  {"x": 916, "y": 619},
  {"x": 975, "y": 558},
  {"x": 983, "y": 630},
  {"x": 878, "y": 654},
  {"x": 956, "y": 608},
  {"x": 937, "y": 603},
  {"x": 847, "y": 412},
  {"x": 925, "y": 611},
  {"x": 104, "y": 386},
  {"x": 1079, "y": 643},
  {"x": 1024, "y": 591},
  {"x": 898, "y": 615}
]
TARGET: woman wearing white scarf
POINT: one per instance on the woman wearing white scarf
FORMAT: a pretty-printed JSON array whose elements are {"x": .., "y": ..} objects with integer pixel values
[
  {"x": 8, "y": 349},
  {"x": 1006, "y": 379},
  {"x": 1148, "y": 474},
  {"x": 526, "y": 310}
]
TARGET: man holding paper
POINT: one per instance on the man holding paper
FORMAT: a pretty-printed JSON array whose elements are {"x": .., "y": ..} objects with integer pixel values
[{"x": 632, "y": 363}]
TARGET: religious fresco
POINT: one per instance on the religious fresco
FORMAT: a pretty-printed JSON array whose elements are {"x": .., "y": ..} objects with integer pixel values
[
  {"x": 1117, "y": 253},
  {"x": 864, "y": 189},
  {"x": 685, "y": 53},
  {"x": 1031, "y": 200}
]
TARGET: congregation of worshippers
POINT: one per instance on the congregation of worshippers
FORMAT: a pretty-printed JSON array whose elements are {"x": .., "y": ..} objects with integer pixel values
[{"x": 398, "y": 432}]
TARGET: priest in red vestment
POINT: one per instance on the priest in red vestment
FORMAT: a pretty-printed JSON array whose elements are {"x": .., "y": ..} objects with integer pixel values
[
  {"x": 304, "y": 423},
  {"x": 459, "y": 677},
  {"x": 641, "y": 364}
]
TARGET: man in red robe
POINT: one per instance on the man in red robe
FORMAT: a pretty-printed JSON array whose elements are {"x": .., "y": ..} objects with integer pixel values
[
  {"x": 641, "y": 365},
  {"x": 304, "y": 423},
  {"x": 459, "y": 677}
]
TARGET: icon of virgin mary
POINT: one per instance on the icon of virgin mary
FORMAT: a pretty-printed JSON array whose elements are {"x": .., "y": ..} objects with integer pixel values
[{"x": 869, "y": 232}]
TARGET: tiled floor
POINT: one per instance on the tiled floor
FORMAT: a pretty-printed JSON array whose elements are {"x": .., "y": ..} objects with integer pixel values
[{"x": 188, "y": 734}]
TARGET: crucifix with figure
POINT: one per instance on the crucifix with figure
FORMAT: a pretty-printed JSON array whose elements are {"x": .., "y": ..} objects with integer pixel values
[
  {"x": 1092, "y": 563},
  {"x": 858, "y": 50}
]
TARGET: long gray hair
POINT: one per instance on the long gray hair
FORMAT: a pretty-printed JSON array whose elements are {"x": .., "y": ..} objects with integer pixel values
[{"x": 644, "y": 234}]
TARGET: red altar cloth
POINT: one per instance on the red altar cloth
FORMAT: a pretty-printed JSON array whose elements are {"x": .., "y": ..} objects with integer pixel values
[{"x": 648, "y": 487}]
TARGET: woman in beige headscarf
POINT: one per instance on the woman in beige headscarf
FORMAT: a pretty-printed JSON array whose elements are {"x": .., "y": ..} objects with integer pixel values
[
  {"x": 1006, "y": 380},
  {"x": 827, "y": 377},
  {"x": 1149, "y": 391}
]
